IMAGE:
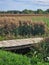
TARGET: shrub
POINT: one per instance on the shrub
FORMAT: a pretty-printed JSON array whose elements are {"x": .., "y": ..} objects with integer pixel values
[
  {"x": 24, "y": 29},
  {"x": 38, "y": 28}
]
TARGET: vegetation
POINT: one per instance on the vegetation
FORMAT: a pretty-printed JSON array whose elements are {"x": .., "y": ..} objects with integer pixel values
[
  {"x": 36, "y": 56},
  {"x": 42, "y": 48},
  {"x": 7, "y": 58},
  {"x": 25, "y": 26},
  {"x": 11, "y": 31},
  {"x": 25, "y": 11}
]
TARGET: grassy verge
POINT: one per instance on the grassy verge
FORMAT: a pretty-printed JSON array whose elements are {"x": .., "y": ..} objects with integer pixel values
[{"x": 8, "y": 58}]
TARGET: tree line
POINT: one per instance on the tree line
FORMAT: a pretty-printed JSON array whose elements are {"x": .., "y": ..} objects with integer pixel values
[{"x": 25, "y": 11}]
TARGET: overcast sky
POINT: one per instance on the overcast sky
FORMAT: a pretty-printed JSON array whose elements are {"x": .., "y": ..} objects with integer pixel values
[{"x": 24, "y": 4}]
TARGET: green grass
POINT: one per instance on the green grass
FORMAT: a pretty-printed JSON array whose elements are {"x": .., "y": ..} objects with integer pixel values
[
  {"x": 41, "y": 19},
  {"x": 2, "y": 38},
  {"x": 8, "y": 58}
]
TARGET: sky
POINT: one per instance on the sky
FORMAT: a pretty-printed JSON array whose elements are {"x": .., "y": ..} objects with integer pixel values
[{"x": 23, "y": 4}]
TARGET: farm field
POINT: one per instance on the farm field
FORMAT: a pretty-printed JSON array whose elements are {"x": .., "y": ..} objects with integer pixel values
[{"x": 26, "y": 18}]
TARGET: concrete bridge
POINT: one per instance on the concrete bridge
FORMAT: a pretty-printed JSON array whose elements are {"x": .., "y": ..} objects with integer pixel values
[{"x": 19, "y": 43}]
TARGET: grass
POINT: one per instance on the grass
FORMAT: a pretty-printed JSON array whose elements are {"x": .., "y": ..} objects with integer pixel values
[
  {"x": 8, "y": 58},
  {"x": 2, "y": 38},
  {"x": 16, "y": 19},
  {"x": 41, "y": 19},
  {"x": 28, "y": 19}
]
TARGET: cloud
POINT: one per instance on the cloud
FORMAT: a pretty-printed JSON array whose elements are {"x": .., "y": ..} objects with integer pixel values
[
  {"x": 43, "y": 2},
  {"x": 23, "y": 4},
  {"x": 33, "y": 2}
]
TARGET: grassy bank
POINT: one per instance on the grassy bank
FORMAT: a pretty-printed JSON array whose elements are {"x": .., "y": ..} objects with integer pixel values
[
  {"x": 36, "y": 56},
  {"x": 8, "y": 58}
]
